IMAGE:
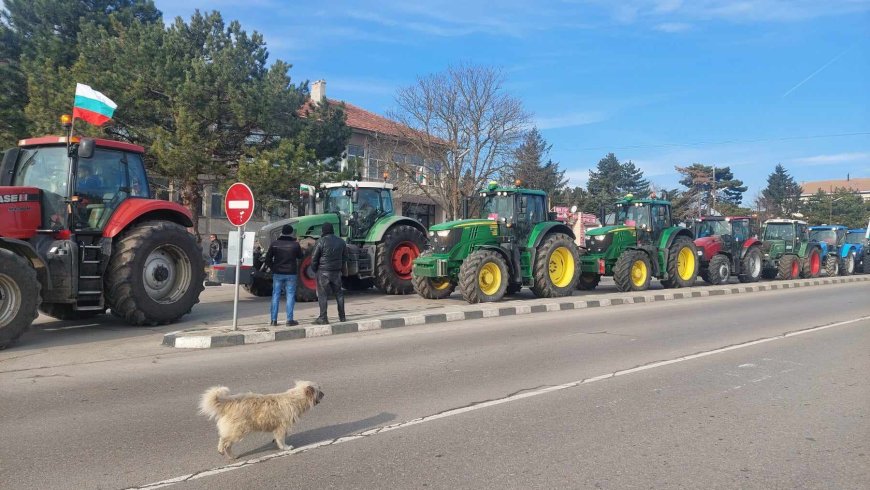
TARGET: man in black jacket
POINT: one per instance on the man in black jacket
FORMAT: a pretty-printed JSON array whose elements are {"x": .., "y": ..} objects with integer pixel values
[
  {"x": 329, "y": 256},
  {"x": 283, "y": 259}
]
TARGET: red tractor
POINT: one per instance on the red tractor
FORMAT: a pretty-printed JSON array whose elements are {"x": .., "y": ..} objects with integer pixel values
[
  {"x": 726, "y": 248},
  {"x": 80, "y": 233}
]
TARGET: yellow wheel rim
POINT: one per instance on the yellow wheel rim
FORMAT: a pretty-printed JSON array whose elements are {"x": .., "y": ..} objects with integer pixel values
[
  {"x": 440, "y": 284},
  {"x": 685, "y": 263},
  {"x": 639, "y": 273},
  {"x": 561, "y": 267},
  {"x": 489, "y": 278}
]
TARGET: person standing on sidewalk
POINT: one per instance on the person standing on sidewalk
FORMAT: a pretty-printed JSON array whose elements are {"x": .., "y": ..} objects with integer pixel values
[
  {"x": 329, "y": 256},
  {"x": 283, "y": 260},
  {"x": 215, "y": 250}
]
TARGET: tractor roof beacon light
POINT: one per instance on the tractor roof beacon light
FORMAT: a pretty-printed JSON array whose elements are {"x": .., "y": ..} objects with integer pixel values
[
  {"x": 65, "y": 121},
  {"x": 518, "y": 183},
  {"x": 492, "y": 185},
  {"x": 629, "y": 196}
]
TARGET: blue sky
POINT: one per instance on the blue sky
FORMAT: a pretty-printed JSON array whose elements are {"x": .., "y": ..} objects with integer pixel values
[{"x": 747, "y": 84}]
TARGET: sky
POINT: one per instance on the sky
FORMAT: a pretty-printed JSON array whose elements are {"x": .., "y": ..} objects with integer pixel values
[{"x": 746, "y": 84}]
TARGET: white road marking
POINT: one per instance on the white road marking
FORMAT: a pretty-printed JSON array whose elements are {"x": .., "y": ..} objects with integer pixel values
[{"x": 487, "y": 404}]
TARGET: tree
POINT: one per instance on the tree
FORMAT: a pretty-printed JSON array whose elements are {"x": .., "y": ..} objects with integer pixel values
[
  {"x": 530, "y": 168},
  {"x": 841, "y": 207},
  {"x": 712, "y": 187},
  {"x": 13, "y": 89},
  {"x": 464, "y": 126},
  {"x": 612, "y": 180},
  {"x": 782, "y": 194}
]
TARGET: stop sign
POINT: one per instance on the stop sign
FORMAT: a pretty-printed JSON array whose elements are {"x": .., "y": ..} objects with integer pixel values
[{"x": 239, "y": 204}]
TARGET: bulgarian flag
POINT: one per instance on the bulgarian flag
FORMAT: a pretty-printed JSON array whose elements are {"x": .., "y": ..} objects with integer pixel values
[{"x": 92, "y": 106}]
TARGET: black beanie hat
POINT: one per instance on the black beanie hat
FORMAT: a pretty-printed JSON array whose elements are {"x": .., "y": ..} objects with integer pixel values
[{"x": 327, "y": 229}]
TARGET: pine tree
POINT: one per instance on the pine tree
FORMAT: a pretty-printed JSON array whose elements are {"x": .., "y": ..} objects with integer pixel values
[
  {"x": 782, "y": 194},
  {"x": 701, "y": 184},
  {"x": 529, "y": 166},
  {"x": 633, "y": 180},
  {"x": 612, "y": 180}
]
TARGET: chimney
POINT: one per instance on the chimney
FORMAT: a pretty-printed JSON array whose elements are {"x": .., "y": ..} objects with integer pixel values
[{"x": 318, "y": 91}]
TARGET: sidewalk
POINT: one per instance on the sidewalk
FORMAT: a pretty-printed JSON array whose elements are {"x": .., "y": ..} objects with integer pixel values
[{"x": 376, "y": 314}]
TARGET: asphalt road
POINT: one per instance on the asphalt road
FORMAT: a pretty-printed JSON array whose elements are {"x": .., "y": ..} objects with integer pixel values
[{"x": 510, "y": 410}]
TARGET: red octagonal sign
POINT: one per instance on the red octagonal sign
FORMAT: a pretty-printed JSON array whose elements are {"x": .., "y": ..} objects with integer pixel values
[{"x": 239, "y": 204}]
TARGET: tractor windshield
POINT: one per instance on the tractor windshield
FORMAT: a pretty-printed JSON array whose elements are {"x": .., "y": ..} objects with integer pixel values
[
  {"x": 707, "y": 228},
  {"x": 779, "y": 231},
  {"x": 630, "y": 214},
  {"x": 46, "y": 168},
  {"x": 337, "y": 200},
  {"x": 497, "y": 206},
  {"x": 855, "y": 237},
  {"x": 827, "y": 236}
]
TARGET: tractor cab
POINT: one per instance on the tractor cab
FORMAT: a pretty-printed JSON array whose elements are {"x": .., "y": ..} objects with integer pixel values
[
  {"x": 516, "y": 210},
  {"x": 358, "y": 205},
  {"x": 830, "y": 237},
  {"x": 783, "y": 236},
  {"x": 649, "y": 217}
]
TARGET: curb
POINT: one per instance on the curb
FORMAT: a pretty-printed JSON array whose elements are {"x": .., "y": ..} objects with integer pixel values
[{"x": 193, "y": 339}]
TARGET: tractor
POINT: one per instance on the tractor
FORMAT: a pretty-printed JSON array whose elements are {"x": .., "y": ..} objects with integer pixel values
[
  {"x": 639, "y": 242},
  {"x": 381, "y": 245},
  {"x": 860, "y": 238},
  {"x": 515, "y": 242},
  {"x": 788, "y": 252},
  {"x": 725, "y": 249},
  {"x": 840, "y": 256},
  {"x": 80, "y": 233}
]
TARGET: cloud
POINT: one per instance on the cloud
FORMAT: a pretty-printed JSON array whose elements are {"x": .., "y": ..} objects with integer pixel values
[
  {"x": 673, "y": 27},
  {"x": 569, "y": 120},
  {"x": 833, "y": 159}
]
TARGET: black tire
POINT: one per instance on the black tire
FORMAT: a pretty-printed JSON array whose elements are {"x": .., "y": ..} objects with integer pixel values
[
  {"x": 751, "y": 265},
  {"x": 433, "y": 288},
  {"x": 169, "y": 257},
  {"x": 65, "y": 311},
  {"x": 847, "y": 267},
  {"x": 832, "y": 266},
  {"x": 785, "y": 270},
  {"x": 557, "y": 254},
  {"x": 470, "y": 277},
  {"x": 306, "y": 281},
  {"x": 588, "y": 281},
  {"x": 674, "y": 279},
  {"x": 356, "y": 283},
  {"x": 19, "y": 296},
  {"x": 513, "y": 288},
  {"x": 807, "y": 264},
  {"x": 388, "y": 278},
  {"x": 717, "y": 271},
  {"x": 625, "y": 265},
  {"x": 866, "y": 262},
  {"x": 259, "y": 287}
]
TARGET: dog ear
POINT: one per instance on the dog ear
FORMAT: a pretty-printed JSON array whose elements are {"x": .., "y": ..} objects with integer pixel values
[{"x": 310, "y": 392}]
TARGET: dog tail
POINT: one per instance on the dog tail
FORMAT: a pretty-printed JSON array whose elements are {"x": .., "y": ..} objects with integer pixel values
[{"x": 210, "y": 403}]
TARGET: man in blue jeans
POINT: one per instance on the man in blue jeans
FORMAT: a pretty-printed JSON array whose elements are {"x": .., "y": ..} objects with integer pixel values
[{"x": 283, "y": 260}]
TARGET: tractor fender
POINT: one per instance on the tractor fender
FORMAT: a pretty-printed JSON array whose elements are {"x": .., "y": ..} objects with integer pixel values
[
  {"x": 135, "y": 210},
  {"x": 376, "y": 234},
  {"x": 667, "y": 239},
  {"x": 846, "y": 248},
  {"x": 748, "y": 244},
  {"x": 541, "y": 230},
  {"x": 495, "y": 248},
  {"x": 26, "y": 250}
]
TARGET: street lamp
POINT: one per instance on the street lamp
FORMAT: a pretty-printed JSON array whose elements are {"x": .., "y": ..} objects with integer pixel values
[{"x": 831, "y": 209}]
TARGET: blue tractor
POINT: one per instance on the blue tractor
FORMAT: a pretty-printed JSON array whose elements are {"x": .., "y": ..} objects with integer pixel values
[
  {"x": 860, "y": 238},
  {"x": 839, "y": 256}
]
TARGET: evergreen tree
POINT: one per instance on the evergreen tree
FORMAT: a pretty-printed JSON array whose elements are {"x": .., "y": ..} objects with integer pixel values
[
  {"x": 612, "y": 180},
  {"x": 782, "y": 194},
  {"x": 841, "y": 207},
  {"x": 13, "y": 89},
  {"x": 701, "y": 184},
  {"x": 529, "y": 166},
  {"x": 633, "y": 180}
]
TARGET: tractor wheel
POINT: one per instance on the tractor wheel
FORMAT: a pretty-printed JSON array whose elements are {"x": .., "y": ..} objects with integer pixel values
[
  {"x": 356, "y": 283},
  {"x": 847, "y": 268},
  {"x": 588, "y": 281},
  {"x": 306, "y": 281},
  {"x": 750, "y": 267},
  {"x": 632, "y": 271},
  {"x": 789, "y": 267},
  {"x": 718, "y": 270},
  {"x": 394, "y": 259},
  {"x": 483, "y": 277},
  {"x": 682, "y": 264},
  {"x": 155, "y": 274},
  {"x": 19, "y": 296},
  {"x": 811, "y": 265},
  {"x": 65, "y": 311},
  {"x": 832, "y": 266},
  {"x": 556, "y": 267},
  {"x": 513, "y": 289},
  {"x": 433, "y": 287},
  {"x": 259, "y": 287},
  {"x": 866, "y": 262}
]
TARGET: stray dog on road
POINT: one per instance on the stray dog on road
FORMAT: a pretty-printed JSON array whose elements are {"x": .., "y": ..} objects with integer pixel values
[{"x": 239, "y": 415}]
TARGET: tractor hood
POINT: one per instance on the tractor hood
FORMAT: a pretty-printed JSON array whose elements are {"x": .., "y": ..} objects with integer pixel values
[
  {"x": 609, "y": 229},
  {"x": 773, "y": 248},
  {"x": 302, "y": 226},
  {"x": 462, "y": 223}
]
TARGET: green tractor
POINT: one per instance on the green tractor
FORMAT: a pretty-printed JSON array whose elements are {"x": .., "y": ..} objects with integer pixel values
[
  {"x": 381, "y": 245},
  {"x": 639, "y": 242},
  {"x": 516, "y": 242},
  {"x": 788, "y": 251}
]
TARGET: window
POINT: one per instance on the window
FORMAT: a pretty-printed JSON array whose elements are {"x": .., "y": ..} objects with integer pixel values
[
  {"x": 424, "y": 213},
  {"x": 217, "y": 206},
  {"x": 138, "y": 179}
]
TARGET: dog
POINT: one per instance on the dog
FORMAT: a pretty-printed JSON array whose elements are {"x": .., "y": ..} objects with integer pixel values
[{"x": 239, "y": 415}]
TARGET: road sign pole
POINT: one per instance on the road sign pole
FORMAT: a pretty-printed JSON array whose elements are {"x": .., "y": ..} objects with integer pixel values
[{"x": 241, "y": 231}]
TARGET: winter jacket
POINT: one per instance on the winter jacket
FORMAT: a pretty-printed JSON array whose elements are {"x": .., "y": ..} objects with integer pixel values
[
  {"x": 284, "y": 255},
  {"x": 215, "y": 250},
  {"x": 330, "y": 253}
]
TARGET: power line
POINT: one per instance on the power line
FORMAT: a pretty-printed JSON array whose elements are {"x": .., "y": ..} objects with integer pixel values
[{"x": 712, "y": 143}]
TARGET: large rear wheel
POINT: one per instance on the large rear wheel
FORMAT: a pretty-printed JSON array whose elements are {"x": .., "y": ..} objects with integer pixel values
[
  {"x": 556, "y": 267},
  {"x": 483, "y": 277},
  {"x": 811, "y": 265},
  {"x": 394, "y": 260},
  {"x": 832, "y": 266},
  {"x": 789, "y": 267},
  {"x": 682, "y": 264},
  {"x": 632, "y": 271},
  {"x": 155, "y": 275},
  {"x": 750, "y": 265},
  {"x": 19, "y": 296},
  {"x": 306, "y": 283}
]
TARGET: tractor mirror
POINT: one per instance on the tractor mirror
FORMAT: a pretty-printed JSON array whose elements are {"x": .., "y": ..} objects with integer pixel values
[
  {"x": 318, "y": 196},
  {"x": 574, "y": 208},
  {"x": 552, "y": 216},
  {"x": 86, "y": 148},
  {"x": 354, "y": 196}
]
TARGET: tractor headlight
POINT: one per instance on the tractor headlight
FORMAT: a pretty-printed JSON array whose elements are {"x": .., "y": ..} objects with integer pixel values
[
  {"x": 431, "y": 233},
  {"x": 600, "y": 238},
  {"x": 443, "y": 233},
  {"x": 700, "y": 253}
]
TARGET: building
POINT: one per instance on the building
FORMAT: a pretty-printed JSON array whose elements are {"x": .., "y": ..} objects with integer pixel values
[
  {"x": 375, "y": 141},
  {"x": 861, "y": 185}
]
